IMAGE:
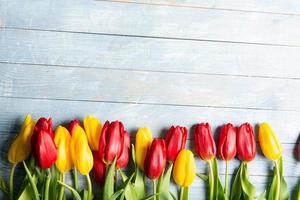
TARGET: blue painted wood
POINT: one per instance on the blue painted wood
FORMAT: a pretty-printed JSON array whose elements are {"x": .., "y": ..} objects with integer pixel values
[
  {"x": 278, "y": 7},
  {"x": 153, "y": 21},
  {"x": 102, "y": 51},
  {"x": 117, "y": 61}
]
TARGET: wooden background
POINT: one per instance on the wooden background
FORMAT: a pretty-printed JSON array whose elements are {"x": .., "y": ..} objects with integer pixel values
[{"x": 155, "y": 63}]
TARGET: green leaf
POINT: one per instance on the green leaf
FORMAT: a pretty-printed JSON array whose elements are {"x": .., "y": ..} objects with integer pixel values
[
  {"x": 164, "y": 185},
  {"x": 26, "y": 193},
  {"x": 173, "y": 196},
  {"x": 273, "y": 185},
  {"x": 32, "y": 183},
  {"x": 139, "y": 184},
  {"x": 249, "y": 190},
  {"x": 116, "y": 195},
  {"x": 133, "y": 154},
  {"x": 129, "y": 192},
  {"x": 218, "y": 188},
  {"x": 3, "y": 185},
  {"x": 284, "y": 194},
  {"x": 85, "y": 195},
  {"x": 53, "y": 193},
  {"x": 236, "y": 190},
  {"x": 108, "y": 190},
  {"x": 73, "y": 191},
  {"x": 150, "y": 197},
  {"x": 202, "y": 176}
]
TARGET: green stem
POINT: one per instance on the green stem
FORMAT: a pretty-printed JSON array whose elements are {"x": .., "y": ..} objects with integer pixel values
[
  {"x": 154, "y": 189},
  {"x": 62, "y": 189},
  {"x": 226, "y": 180},
  {"x": 181, "y": 193},
  {"x": 11, "y": 182},
  {"x": 75, "y": 177},
  {"x": 32, "y": 183},
  {"x": 89, "y": 186},
  {"x": 211, "y": 176},
  {"x": 47, "y": 184},
  {"x": 277, "y": 193}
]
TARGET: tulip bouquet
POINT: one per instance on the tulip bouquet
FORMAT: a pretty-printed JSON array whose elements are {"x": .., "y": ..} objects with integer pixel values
[{"x": 104, "y": 151}]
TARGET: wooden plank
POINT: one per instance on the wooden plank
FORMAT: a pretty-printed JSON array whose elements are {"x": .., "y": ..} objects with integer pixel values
[
  {"x": 138, "y": 87},
  {"x": 159, "y": 118},
  {"x": 153, "y": 21},
  {"x": 279, "y": 6},
  {"x": 103, "y": 51}
]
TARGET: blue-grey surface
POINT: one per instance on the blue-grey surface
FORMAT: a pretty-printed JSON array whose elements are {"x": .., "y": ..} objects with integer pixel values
[{"x": 155, "y": 63}]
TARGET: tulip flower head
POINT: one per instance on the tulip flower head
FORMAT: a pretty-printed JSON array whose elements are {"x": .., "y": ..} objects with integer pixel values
[
  {"x": 44, "y": 148},
  {"x": 112, "y": 142},
  {"x": 204, "y": 142},
  {"x": 184, "y": 171},
  {"x": 21, "y": 147},
  {"x": 227, "y": 142},
  {"x": 80, "y": 151},
  {"x": 123, "y": 159},
  {"x": 175, "y": 141},
  {"x": 99, "y": 169},
  {"x": 93, "y": 128},
  {"x": 143, "y": 140},
  {"x": 245, "y": 143},
  {"x": 62, "y": 140},
  {"x": 269, "y": 142},
  {"x": 155, "y": 160}
]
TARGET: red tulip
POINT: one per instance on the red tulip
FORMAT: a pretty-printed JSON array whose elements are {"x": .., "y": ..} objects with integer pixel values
[
  {"x": 72, "y": 124},
  {"x": 175, "y": 140},
  {"x": 99, "y": 168},
  {"x": 298, "y": 150},
  {"x": 155, "y": 160},
  {"x": 124, "y": 157},
  {"x": 112, "y": 141},
  {"x": 227, "y": 142},
  {"x": 204, "y": 142},
  {"x": 245, "y": 143},
  {"x": 44, "y": 148}
]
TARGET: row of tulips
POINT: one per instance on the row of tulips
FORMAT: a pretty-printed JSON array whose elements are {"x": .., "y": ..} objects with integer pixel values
[{"x": 106, "y": 150}]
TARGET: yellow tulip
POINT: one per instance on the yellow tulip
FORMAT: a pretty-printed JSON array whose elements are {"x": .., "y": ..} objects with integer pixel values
[
  {"x": 143, "y": 140},
  {"x": 269, "y": 142},
  {"x": 21, "y": 147},
  {"x": 80, "y": 151},
  {"x": 62, "y": 140},
  {"x": 184, "y": 171},
  {"x": 93, "y": 128}
]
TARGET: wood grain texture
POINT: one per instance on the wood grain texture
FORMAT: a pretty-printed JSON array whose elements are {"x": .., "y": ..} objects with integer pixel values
[
  {"x": 152, "y": 21},
  {"x": 103, "y": 51},
  {"x": 276, "y": 7},
  {"x": 73, "y": 83},
  {"x": 174, "y": 63}
]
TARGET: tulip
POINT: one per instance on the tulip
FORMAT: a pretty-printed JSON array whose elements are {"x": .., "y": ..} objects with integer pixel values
[
  {"x": 111, "y": 141},
  {"x": 62, "y": 140},
  {"x": 44, "y": 148},
  {"x": 81, "y": 154},
  {"x": 175, "y": 141},
  {"x": 204, "y": 142},
  {"x": 99, "y": 169},
  {"x": 20, "y": 149},
  {"x": 298, "y": 150},
  {"x": 72, "y": 124},
  {"x": 155, "y": 160},
  {"x": 184, "y": 171},
  {"x": 227, "y": 147},
  {"x": 269, "y": 142},
  {"x": 122, "y": 161},
  {"x": 143, "y": 140},
  {"x": 93, "y": 128},
  {"x": 80, "y": 151},
  {"x": 227, "y": 142},
  {"x": 245, "y": 143}
]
